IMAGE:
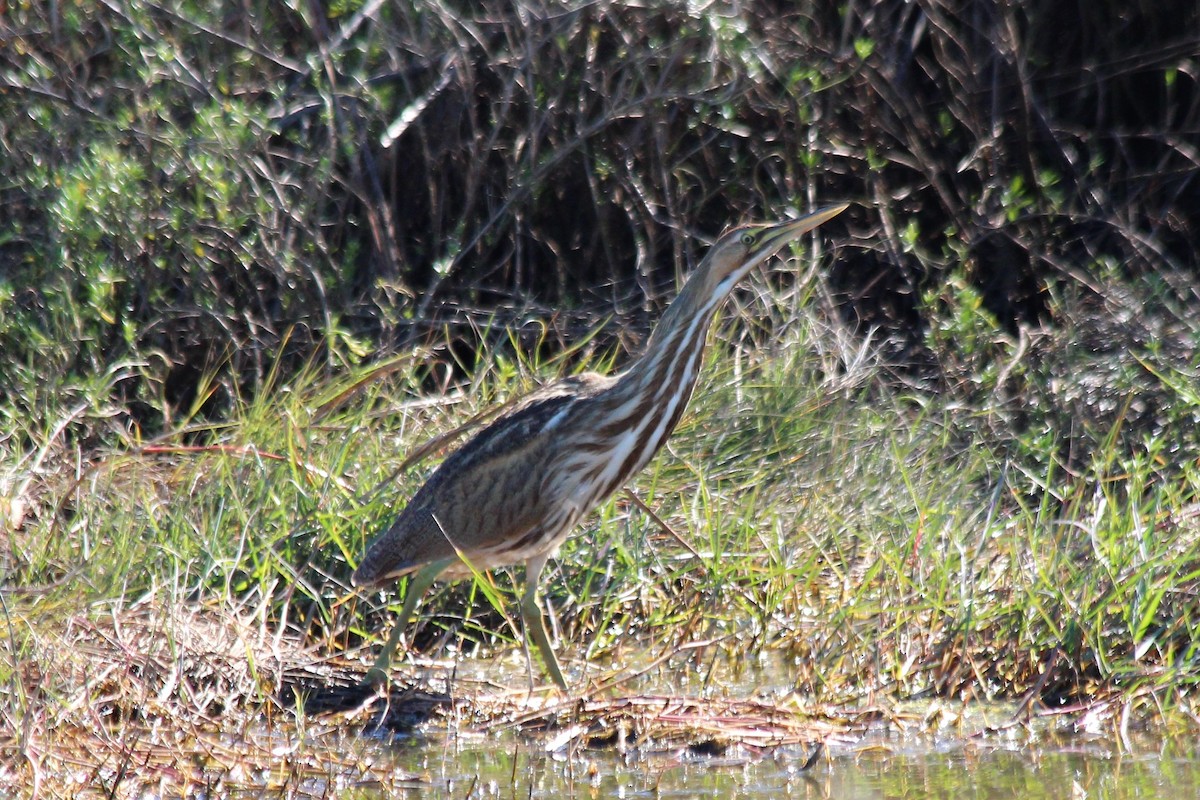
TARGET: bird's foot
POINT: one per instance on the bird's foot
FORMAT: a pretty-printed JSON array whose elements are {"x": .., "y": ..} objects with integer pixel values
[{"x": 375, "y": 678}]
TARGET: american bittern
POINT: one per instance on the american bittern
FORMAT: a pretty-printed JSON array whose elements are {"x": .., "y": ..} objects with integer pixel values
[{"x": 514, "y": 492}]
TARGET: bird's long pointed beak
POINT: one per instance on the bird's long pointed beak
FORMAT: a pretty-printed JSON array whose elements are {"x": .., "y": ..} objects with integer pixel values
[{"x": 784, "y": 232}]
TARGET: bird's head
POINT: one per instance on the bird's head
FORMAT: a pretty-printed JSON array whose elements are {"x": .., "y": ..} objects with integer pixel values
[{"x": 743, "y": 248}]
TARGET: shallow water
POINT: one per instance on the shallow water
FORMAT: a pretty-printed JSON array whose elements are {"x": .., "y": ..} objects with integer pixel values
[
  {"x": 878, "y": 767},
  {"x": 928, "y": 750}
]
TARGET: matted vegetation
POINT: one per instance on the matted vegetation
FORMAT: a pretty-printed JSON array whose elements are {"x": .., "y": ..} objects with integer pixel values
[{"x": 252, "y": 262}]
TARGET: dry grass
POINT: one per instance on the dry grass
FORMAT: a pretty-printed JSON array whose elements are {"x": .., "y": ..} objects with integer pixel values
[
  {"x": 150, "y": 700},
  {"x": 179, "y": 700},
  {"x": 191, "y": 700}
]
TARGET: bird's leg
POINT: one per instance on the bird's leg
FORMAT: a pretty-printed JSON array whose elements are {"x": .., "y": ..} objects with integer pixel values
[
  {"x": 535, "y": 623},
  {"x": 418, "y": 584}
]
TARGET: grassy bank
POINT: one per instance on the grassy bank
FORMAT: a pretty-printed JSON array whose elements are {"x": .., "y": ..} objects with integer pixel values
[{"x": 873, "y": 546}]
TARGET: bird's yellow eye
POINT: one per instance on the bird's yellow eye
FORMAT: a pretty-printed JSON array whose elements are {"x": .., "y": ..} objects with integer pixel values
[{"x": 747, "y": 238}]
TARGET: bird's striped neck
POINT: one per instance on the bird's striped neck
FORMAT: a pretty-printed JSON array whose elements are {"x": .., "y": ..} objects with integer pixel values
[
  {"x": 645, "y": 404},
  {"x": 672, "y": 359}
]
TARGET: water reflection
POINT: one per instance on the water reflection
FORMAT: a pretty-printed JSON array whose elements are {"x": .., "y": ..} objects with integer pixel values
[
  {"x": 1034, "y": 772},
  {"x": 512, "y": 766}
]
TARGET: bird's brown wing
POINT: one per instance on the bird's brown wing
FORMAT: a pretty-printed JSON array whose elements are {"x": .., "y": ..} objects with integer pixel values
[{"x": 486, "y": 494}]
